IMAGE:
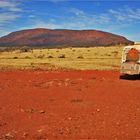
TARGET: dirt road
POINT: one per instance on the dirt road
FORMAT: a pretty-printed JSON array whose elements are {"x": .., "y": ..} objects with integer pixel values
[{"x": 68, "y": 105}]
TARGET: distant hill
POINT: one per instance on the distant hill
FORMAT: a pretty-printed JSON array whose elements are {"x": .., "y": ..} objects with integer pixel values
[{"x": 60, "y": 37}]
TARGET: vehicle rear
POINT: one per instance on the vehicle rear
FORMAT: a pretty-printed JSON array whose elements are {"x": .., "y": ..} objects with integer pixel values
[{"x": 131, "y": 60}]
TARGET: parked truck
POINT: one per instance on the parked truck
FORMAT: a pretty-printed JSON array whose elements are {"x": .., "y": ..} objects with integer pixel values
[{"x": 130, "y": 64}]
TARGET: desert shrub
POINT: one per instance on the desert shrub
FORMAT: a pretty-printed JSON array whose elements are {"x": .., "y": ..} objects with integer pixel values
[
  {"x": 106, "y": 54},
  {"x": 15, "y": 57},
  {"x": 95, "y": 53},
  {"x": 2, "y": 50},
  {"x": 24, "y": 50},
  {"x": 27, "y": 57},
  {"x": 41, "y": 56},
  {"x": 62, "y": 56},
  {"x": 84, "y": 46},
  {"x": 57, "y": 50},
  {"x": 80, "y": 57},
  {"x": 35, "y": 55},
  {"x": 32, "y": 64},
  {"x": 50, "y": 56},
  {"x": 115, "y": 53},
  {"x": 73, "y": 50},
  {"x": 7, "y": 49}
]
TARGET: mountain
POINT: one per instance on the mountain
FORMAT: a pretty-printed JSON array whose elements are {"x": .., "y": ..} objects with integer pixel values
[{"x": 60, "y": 37}]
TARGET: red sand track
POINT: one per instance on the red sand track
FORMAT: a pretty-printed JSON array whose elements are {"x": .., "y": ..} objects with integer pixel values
[{"x": 68, "y": 105}]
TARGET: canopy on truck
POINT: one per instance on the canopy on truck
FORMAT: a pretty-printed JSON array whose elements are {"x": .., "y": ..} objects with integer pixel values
[{"x": 132, "y": 46}]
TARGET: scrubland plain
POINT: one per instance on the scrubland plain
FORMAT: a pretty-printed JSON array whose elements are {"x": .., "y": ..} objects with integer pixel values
[{"x": 97, "y": 58}]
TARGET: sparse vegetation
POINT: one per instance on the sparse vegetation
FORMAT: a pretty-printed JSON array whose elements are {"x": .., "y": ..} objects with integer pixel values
[
  {"x": 41, "y": 56},
  {"x": 71, "y": 58},
  {"x": 27, "y": 57},
  {"x": 50, "y": 56},
  {"x": 80, "y": 57},
  {"x": 62, "y": 56},
  {"x": 24, "y": 50},
  {"x": 15, "y": 57},
  {"x": 115, "y": 53},
  {"x": 106, "y": 54}
]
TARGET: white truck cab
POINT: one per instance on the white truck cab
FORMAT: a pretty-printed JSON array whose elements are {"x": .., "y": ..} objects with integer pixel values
[{"x": 130, "y": 63}]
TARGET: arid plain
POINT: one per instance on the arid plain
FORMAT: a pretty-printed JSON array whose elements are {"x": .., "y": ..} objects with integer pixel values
[{"x": 70, "y": 93}]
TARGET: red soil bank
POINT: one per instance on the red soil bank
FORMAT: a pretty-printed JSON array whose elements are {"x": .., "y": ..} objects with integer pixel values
[{"x": 68, "y": 105}]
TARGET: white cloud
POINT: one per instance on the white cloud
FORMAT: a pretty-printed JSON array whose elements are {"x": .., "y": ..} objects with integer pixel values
[
  {"x": 31, "y": 16},
  {"x": 43, "y": 24},
  {"x": 126, "y": 14},
  {"x": 10, "y": 11},
  {"x": 7, "y": 17},
  {"x": 10, "y": 6},
  {"x": 77, "y": 12},
  {"x": 120, "y": 16},
  {"x": 88, "y": 19}
]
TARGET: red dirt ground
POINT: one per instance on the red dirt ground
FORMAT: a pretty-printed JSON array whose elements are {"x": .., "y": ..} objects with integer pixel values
[{"x": 68, "y": 105}]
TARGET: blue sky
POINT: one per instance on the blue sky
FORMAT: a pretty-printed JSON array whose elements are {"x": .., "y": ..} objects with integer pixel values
[{"x": 119, "y": 17}]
